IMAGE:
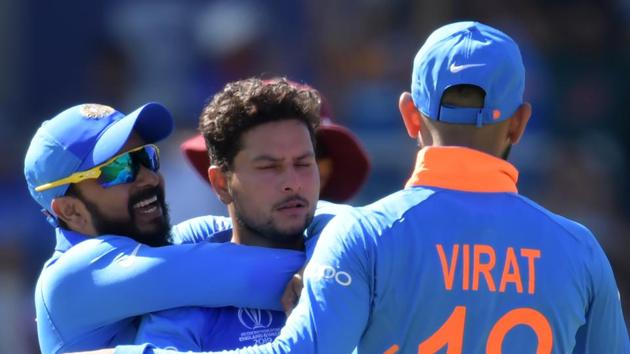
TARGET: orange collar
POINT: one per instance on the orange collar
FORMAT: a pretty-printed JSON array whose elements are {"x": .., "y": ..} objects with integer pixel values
[{"x": 463, "y": 169}]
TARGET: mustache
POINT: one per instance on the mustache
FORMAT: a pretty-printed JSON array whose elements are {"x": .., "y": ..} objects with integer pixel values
[{"x": 292, "y": 199}]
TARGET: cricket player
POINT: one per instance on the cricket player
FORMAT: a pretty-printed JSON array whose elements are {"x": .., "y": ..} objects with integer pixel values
[
  {"x": 261, "y": 142},
  {"x": 458, "y": 261},
  {"x": 95, "y": 173}
]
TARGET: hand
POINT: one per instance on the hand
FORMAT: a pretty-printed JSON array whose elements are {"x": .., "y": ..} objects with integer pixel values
[{"x": 292, "y": 292}]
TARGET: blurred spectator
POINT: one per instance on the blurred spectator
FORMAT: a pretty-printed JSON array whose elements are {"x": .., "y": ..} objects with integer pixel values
[{"x": 16, "y": 333}]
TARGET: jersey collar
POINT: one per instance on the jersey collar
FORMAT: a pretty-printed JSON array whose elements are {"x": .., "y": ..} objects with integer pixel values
[
  {"x": 463, "y": 169},
  {"x": 67, "y": 239}
]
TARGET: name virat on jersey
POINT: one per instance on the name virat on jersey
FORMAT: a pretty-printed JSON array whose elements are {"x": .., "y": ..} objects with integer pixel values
[{"x": 475, "y": 262}]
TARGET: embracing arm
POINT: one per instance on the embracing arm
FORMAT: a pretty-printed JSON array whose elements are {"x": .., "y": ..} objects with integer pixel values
[
  {"x": 112, "y": 278},
  {"x": 335, "y": 303}
]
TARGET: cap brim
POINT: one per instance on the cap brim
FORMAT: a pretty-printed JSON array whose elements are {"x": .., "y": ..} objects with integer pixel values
[
  {"x": 153, "y": 122},
  {"x": 197, "y": 154},
  {"x": 351, "y": 165}
]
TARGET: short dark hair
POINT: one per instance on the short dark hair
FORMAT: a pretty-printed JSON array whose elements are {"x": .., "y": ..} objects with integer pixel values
[
  {"x": 464, "y": 96},
  {"x": 245, "y": 104},
  {"x": 482, "y": 138}
]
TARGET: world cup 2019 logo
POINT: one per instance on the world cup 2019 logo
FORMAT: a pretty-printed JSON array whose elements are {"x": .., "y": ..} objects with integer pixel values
[{"x": 255, "y": 318}]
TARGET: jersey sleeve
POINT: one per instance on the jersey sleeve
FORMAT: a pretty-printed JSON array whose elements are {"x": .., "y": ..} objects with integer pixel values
[
  {"x": 199, "y": 229},
  {"x": 177, "y": 329},
  {"x": 324, "y": 213},
  {"x": 119, "y": 278},
  {"x": 605, "y": 330}
]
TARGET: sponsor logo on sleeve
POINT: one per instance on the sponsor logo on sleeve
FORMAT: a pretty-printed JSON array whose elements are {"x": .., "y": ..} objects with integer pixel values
[{"x": 326, "y": 272}]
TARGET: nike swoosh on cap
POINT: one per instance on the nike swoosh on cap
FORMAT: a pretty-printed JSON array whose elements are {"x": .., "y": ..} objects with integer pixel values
[{"x": 457, "y": 68}]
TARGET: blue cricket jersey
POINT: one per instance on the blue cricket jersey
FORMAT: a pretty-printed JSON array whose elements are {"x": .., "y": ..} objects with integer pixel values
[
  {"x": 207, "y": 329},
  {"x": 92, "y": 290},
  {"x": 458, "y": 262},
  {"x": 201, "y": 329}
]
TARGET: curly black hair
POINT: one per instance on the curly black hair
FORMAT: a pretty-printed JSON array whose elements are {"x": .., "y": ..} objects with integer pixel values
[{"x": 245, "y": 104}]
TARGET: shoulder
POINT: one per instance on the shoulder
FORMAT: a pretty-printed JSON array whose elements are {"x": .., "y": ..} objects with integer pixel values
[
  {"x": 402, "y": 200},
  {"x": 74, "y": 272},
  {"x": 86, "y": 256},
  {"x": 199, "y": 229},
  {"x": 571, "y": 229},
  {"x": 329, "y": 208},
  {"x": 324, "y": 212},
  {"x": 375, "y": 218}
]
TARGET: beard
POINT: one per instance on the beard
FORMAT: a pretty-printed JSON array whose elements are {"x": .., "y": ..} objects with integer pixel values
[
  {"x": 267, "y": 229},
  {"x": 159, "y": 236}
]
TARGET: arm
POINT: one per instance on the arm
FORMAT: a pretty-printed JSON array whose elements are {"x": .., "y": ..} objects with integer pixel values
[
  {"x": 317, "y": 289},
  {"x": 335, "y": 303},
  {"x": 605, "y": 329},
  {"x": 119, "y": 278},
  {"x": 199, "y": 229}
]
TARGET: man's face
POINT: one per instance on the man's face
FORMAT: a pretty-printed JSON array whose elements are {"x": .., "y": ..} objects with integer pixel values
[
  {"x": 274, "y": 182},
  {"x": 135, "y": 209}
]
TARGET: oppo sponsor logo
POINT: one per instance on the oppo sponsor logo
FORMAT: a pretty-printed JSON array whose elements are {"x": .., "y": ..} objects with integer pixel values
[{"x": 327, "y": 272}]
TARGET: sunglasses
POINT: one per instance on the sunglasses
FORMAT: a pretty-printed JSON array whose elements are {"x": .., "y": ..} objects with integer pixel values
[{"x": 122, "y": 168}]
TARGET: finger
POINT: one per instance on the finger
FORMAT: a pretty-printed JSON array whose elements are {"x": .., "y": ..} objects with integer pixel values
[{"x": 289, "y": 298}]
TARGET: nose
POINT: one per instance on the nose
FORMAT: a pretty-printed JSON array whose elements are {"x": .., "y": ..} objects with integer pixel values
[
  {"x": 147, "y": 177},
  {"x": 292, "y": 181}
]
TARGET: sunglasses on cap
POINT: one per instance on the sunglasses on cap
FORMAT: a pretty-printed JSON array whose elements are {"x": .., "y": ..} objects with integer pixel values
[{"x": 122, "y": 168}]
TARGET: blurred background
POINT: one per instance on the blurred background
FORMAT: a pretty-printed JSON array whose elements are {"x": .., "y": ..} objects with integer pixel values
[{"x": 573, "y": 159}]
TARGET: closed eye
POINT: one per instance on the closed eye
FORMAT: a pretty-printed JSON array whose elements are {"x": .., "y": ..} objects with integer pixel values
[
  {"x": 305, "y": 161},
  {"x": 266, "y": 167}
]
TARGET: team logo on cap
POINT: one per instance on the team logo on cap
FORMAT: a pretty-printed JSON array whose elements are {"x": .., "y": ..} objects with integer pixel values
[{"x": 96, "y": 111}]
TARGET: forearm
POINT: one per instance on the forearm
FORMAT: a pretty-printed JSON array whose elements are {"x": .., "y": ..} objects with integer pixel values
[{"x": 123, "y": 280}]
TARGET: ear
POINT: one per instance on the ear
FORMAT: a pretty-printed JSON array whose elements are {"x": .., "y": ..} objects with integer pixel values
[
  {"x": 74, "y": 213},
  {"x": 410, "y": 114},
  {"x": 518, "y": 122},
  {"x": 220, "y": 183}
]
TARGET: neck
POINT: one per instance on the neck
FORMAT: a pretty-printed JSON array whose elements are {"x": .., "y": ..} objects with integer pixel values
[{"x": 490, "y": 139}]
